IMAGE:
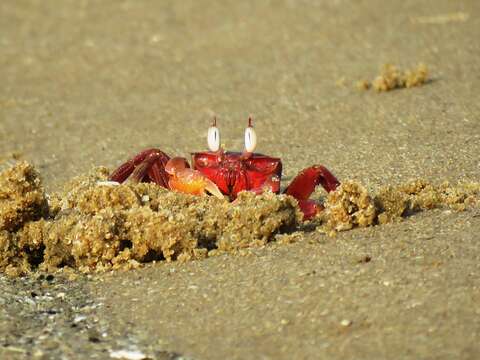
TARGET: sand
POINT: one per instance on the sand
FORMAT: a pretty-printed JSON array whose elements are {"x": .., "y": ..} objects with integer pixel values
[
  {"x": 95, "y": 225},
  {"x": 392, "y": 78},
  {"x": 87, "y": 85}
]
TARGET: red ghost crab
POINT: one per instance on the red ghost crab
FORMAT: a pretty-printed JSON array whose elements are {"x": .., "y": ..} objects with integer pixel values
[{"x": 221, "y": 172}]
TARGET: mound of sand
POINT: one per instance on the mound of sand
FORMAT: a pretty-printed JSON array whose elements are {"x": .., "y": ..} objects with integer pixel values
[
  {"x": 391, "y": 77},
  {"x": 351, "y": 205},
  {"x": 94, "y": 225},
  {"x": 21, "y": 197}
]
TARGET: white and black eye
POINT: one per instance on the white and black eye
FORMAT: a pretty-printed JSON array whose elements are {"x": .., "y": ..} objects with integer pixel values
[
  {"x": 213, "y": 137},
  {"x": 250, "y": 137}
]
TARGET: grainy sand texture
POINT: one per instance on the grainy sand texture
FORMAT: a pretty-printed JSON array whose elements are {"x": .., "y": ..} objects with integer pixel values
[
  {"x": 95, "y": 225},
  {"x": 389, "y": 270}
]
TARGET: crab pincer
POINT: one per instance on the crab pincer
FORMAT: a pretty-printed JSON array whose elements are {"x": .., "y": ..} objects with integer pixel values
[{"x": 189, "y": 181}]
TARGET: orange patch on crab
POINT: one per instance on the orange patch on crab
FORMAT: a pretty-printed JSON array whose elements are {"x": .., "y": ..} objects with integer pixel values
[
  {"x": 193, "y": 182},
  {"x": 193, "y": 186}
]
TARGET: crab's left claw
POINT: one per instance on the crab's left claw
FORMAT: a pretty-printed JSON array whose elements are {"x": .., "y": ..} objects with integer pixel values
[
  {"x": 304, "y": 185},
  {"x": 189, "y": 181}
]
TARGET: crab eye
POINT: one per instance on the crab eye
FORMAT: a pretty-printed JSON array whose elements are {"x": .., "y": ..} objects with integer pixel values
[
  {"x": 250, "y": 137},
  {"x": 213, "y": 137}
]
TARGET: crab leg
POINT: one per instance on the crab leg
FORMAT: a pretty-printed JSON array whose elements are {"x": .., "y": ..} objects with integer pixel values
[
  {"x": 157, "y": 173},
  {"x": 146, "y": 166},
  {"x": 303, "y": 185}
]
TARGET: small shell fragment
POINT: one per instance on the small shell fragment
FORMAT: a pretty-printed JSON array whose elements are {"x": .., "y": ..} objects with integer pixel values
[
  {"x": 107, "y": 183},
  {"x": 127, "y": 354}
]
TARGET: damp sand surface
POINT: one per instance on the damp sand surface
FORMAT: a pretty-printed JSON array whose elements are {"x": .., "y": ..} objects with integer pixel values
[
  {"x": 95, "y": 225},
  {"x": 85, "y": 85}
]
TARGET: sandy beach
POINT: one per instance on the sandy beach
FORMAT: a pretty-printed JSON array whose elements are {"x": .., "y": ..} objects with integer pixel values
[{"x": 88, "y": 84}]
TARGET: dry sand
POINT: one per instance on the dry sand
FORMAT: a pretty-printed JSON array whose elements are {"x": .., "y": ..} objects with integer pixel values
[{"x": 86, "y": 84}]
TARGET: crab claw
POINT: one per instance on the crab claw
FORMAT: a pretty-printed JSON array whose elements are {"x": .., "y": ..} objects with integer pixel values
[{"x": 189, "y": 181}]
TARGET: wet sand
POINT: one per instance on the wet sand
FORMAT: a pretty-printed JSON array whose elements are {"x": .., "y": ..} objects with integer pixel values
[
  {"x": 95, "y": 225},
  {"x": 88, "y": 84}
]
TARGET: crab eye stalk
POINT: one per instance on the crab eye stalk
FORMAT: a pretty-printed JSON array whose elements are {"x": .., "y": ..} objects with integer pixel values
[
  {"x": 213, "y": 137},
  {"x": 250, "y": 137}
]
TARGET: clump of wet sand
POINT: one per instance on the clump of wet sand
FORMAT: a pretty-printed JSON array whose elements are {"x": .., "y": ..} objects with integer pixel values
[
  {"x": 21, "y": 197},
  {"x": 349, "y": 206},
  {"x": 352, "y": 206},
  {"x": 406, "y": 199},
  {"x": 391, "y": 77},
  {"x": 95, "y": 225}
]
